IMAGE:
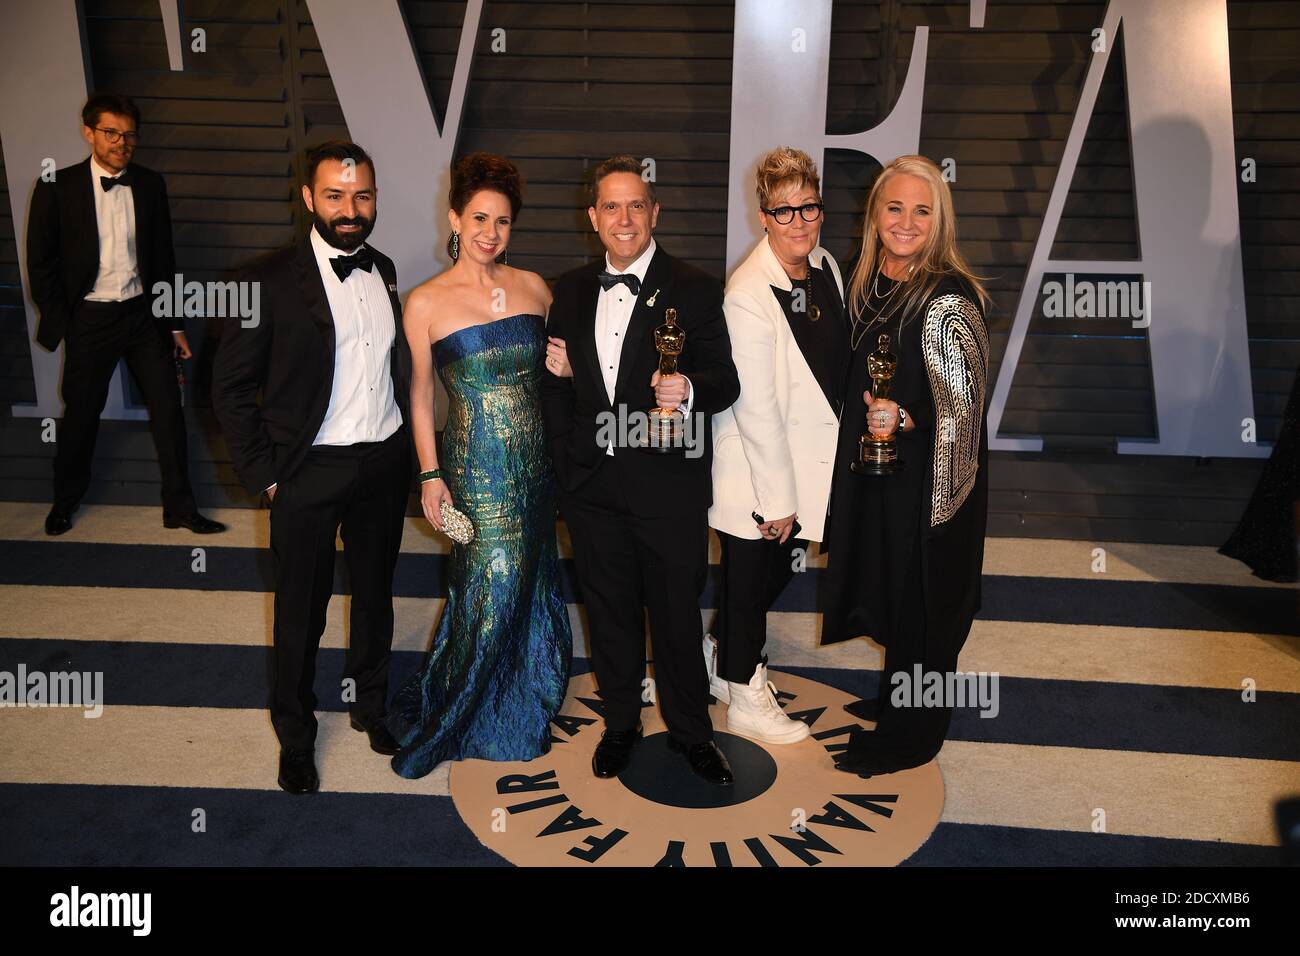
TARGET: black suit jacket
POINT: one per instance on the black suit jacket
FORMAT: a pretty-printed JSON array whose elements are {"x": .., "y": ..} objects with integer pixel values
[
  {"x": 63, "y": 243},
  {"x": 289, "y": 357},
  {"x": 663, "y": 483}
]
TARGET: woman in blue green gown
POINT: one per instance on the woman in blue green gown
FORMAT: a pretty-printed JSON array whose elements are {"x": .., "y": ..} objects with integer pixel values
[{"x": 498, "y": 669}]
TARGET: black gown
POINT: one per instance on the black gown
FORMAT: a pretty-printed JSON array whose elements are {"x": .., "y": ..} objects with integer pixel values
[
  {"x": 1265, "y": 538},
  {"x": 903, "y": 567}
]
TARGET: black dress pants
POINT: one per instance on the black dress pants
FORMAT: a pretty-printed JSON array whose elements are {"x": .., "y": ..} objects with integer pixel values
[
  {"x": 99, "y": 335},
  {"x": 753, "y": 575},
  {"x": 359, "y": 491},
  {"x": 627, "y": 563}
]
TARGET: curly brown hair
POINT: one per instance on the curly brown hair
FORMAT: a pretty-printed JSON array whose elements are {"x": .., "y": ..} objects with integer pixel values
[{"x": 479, "y": 171}]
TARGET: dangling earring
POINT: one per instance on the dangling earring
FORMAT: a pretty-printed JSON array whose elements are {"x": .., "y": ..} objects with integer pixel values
[{"x": 455, "y": 245}]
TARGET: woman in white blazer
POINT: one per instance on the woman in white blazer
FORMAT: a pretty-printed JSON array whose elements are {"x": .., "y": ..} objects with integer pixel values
[{"x": 772, "y": 450}]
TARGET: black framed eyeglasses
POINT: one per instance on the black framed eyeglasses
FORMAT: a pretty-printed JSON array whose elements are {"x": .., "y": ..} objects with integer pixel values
[
  {"x": 116, "y": 135},
  {"x": 808, "y": 212}
]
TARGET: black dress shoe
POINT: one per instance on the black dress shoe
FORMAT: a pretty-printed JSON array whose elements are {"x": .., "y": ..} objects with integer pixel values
[
  {"x": 195, "y": 522},
  {"x": 381, "y": 741},
  {"x": 614, "y": 751},
  {"x": 866, "y": 758},
  {"x": 866, "y": 709},
  {"x": 298, "y": 771},
  {"x": 706, "y": 760},
  {"x": 58, "y": 521}
]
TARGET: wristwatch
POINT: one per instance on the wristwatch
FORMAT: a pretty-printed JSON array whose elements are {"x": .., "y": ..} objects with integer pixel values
[{"x": 902, "y": 418}]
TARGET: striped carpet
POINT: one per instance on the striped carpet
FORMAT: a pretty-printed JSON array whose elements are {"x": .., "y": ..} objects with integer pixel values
[{"x": 1123, "y": 736}]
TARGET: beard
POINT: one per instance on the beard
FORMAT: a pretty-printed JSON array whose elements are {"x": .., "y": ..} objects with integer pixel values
[{"x": 347, "y": 241}]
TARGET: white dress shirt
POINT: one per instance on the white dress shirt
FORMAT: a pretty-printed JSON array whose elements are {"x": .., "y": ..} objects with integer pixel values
[
  {"x": 613, "y": 313},
  {"x": 118, "y": 278},
  {"x": 361, "y": 406}
]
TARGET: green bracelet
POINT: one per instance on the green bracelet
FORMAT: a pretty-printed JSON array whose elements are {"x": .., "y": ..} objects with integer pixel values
[{"x": 430, "y": 475}]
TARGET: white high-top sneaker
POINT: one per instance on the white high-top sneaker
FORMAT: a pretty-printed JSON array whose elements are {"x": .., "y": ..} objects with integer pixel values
[
  {"x": 754, "y": 712},
  {"x": 717, "y": 686}
]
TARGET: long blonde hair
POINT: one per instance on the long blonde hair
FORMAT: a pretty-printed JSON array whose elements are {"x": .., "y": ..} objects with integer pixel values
[{"x": 938, "y": 259}]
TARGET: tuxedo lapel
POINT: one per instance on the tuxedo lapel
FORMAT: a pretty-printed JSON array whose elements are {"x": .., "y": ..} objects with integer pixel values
[
  {"x": 140, "y": 203},
  {"x": 83, "y": 193},
  {"x": 588, "y": 296},
  {"x": 314, "y": 300},
  {"x": 645, "y": 318},
  {"x": 398, "y": 363}
]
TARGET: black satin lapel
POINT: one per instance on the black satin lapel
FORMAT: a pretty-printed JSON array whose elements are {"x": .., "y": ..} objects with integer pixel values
[
  {"x": 645, "y": 319},
  {"x": 140, "y": 204},
  {"x": 589, "y": 296},
  {"x": 89, "y": 235},
  {"x": 399, "y": 362},
  {"x": 314, "y": 299}
]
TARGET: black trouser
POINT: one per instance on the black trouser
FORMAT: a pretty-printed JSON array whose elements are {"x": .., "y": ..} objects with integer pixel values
[
  {"x": 753, "y": 575},
  {"x": 911, "y": 733},
  {"x": 99, "y": 335},
  {"x": 360, "y": 490},
  {"x": 627, "y": 562}
]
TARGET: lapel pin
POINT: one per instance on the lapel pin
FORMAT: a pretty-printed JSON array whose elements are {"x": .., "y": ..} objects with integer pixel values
[
  {"x": 651, "y": 301},
  {"x": 392, "y": 287}
]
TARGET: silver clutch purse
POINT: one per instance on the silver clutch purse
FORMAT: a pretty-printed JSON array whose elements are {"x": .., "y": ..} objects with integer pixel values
[{"x": 455, "y": 524}]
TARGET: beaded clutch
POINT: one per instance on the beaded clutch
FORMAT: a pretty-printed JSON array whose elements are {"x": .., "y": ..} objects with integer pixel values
[{"x": 455, "y": 524}]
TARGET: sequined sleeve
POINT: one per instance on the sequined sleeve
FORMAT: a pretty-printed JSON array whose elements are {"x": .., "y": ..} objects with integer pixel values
[{"x": 956, "y": 347}]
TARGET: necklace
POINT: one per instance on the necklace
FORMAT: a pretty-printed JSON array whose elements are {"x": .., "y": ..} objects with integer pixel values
[
  {"x": 881, "y": 316},
  {"x": 814, "y": 313}
]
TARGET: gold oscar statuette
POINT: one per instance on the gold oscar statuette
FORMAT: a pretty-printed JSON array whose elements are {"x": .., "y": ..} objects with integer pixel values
[
  {"x": 667, "y": 424},
  {"x": 879, "y": 456}
]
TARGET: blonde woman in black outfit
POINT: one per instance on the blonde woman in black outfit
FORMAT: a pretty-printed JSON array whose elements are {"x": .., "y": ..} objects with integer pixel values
[{"x": 906, "y": 549}]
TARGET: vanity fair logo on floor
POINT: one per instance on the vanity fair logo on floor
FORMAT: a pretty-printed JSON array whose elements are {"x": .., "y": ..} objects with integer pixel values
[{"x": 789, "y": 807}]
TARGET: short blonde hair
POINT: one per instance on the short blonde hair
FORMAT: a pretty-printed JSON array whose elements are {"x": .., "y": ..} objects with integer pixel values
[{"x": 781, "y": 167}]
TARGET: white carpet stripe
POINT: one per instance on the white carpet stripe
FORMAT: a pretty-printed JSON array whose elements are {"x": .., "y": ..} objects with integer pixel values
[
  {"x": 1183, "y": 797},
  {"x": 1056, "y": 788},
  {"x": 203, "y": 747},
  {"x": 1128, "y": 655}
]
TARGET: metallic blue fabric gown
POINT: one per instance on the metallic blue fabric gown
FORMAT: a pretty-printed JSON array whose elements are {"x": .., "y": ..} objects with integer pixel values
[{"x": 499, "y": 666}]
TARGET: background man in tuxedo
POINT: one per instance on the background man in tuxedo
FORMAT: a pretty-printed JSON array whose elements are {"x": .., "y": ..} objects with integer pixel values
[
  {"x": 328, "y": 444},
  {"x": 637, "y": 518},
  {"x": 99, "y": 236}
]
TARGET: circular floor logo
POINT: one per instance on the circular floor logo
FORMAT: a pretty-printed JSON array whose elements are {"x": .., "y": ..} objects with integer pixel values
[{"x": 789, "y": 807}]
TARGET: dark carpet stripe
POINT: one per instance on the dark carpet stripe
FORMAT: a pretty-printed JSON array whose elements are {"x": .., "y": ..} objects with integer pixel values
[
  {"x": 1006, "y": 598},
  {"x": 1156, "y": 719},
  {"x": 67, "y": 825},
  {"x": 47, "y": 824},
  {"x": 974, "y": 844}
]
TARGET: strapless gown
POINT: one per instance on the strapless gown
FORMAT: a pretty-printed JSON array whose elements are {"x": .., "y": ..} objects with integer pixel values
[{"x": 499, "y": 665}]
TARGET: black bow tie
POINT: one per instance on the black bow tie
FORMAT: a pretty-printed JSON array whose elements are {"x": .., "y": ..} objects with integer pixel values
[
  {"x": 108, "y": 182},
  {"x": 610, "y": 279},
  {"x": 343, "y": 265}
]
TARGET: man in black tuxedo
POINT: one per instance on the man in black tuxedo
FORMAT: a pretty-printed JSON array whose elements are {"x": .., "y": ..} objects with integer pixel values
[
  {"x": 99, "y": 236},
  {"x": 328, "y": 444},
  {"x": 638, "y": 518}
]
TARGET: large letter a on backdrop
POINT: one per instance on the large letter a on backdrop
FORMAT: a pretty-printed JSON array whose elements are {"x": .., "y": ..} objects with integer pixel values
[{"x": 1189, "y": 232}]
